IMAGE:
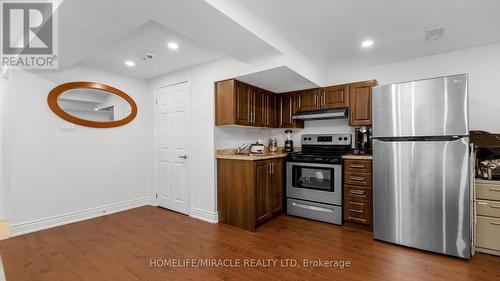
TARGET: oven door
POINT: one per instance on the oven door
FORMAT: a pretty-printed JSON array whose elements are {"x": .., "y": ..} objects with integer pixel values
[{"x": 314, "y": 182}]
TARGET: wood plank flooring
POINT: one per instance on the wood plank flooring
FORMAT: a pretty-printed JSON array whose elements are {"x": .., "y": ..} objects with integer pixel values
[{"x": 121, "y": 247}]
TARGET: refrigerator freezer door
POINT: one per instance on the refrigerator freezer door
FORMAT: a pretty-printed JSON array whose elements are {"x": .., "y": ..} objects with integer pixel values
[
  {"x": 432, "y": 107},
  {"x": 421, "y": 195}
]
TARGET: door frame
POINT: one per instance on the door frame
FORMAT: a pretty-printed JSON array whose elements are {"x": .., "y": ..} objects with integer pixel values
[{"x": 155, "y": 139}]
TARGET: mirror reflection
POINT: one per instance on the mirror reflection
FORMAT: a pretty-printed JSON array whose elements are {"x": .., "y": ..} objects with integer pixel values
[{"x": 94, "y": 105}]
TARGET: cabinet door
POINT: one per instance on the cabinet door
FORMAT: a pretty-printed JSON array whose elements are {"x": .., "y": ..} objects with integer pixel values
[
  {"x": 286, "y": 111},
  {"x": 276, "y": 188},
  {"x": 360, "y": 103},
  {"x": 258, "y": 107},
  {"x": 262, "y": 183},
  {"x": 334, "y": 96},
  {"x": 243, "y": 104},
  {"x": 271, "y": 110},
  {"x": 296, "y": 102},
  {"x": 309, "y": 100}
]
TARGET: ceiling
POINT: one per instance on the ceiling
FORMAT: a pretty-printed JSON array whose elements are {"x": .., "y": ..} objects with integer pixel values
[
  {"x": 104, "y": 34},
  {"x": 330, "y": 32},
  {"x": 151, "y": 38},
  {"x": 278, "y": 80},
  {"x": 310, "y": 37}
]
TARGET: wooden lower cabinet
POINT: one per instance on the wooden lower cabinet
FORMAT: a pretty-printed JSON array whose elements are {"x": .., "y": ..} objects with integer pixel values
[
  {"x": 249, "y": 193},
  {"x": 358, "y": 199}
]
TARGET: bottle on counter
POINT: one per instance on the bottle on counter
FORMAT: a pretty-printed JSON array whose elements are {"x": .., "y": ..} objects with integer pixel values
[{"x": 273, "y": 147}]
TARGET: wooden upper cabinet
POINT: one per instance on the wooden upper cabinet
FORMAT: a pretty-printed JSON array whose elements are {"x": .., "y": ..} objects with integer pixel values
[
  {"x": 237, "y": 103},
  {"x": 324, "y": 98},
  {"x": 334, "y": 96},
  {"x": 259, "y": 107},
  {"x": 296, "y": 102},
  {"x": 360, "y": 103},
  {"x": 271, "y": 110},
  {"x": 309, "y": 100},
  {"x": 243, "y": 104},
  {"x": 286, "y": 111}
]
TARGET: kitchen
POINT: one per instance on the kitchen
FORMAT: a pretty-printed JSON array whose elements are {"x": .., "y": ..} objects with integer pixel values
[
  {"x": 254, "y": 140},
  {"x": 334, "y": 178}
]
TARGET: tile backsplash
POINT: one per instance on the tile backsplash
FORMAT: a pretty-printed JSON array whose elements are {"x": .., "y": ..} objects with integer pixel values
[{"x": 232, "y": 137}]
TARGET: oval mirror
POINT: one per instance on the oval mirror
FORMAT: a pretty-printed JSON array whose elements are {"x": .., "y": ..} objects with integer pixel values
[{"x": 92, "y": 104}]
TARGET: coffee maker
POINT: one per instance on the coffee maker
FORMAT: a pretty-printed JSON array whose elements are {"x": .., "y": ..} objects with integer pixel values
[
  {"x": 288, "y": 141},
  {"x": 363, "y": 140}
]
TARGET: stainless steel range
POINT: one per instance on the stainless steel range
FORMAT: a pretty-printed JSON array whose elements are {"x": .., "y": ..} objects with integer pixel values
[{"x": 314, "y": 178}]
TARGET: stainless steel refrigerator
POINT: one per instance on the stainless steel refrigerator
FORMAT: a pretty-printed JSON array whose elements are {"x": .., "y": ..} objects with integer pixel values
[{"x": 423, "y": 165}]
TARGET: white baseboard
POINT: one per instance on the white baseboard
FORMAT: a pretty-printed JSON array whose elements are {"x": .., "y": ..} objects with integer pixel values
[
  {"x": 40, "y": 224},
  {"x": 204, "y": 215}
]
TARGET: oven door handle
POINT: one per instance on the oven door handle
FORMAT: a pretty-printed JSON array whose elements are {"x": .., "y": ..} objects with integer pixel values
[{"x": 313, "y": 208}]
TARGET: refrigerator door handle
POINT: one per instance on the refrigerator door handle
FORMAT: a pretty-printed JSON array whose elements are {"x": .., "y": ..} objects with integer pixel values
[{"x": 472, "y": 187}]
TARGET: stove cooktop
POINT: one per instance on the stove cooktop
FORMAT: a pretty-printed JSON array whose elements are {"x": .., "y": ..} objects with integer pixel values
[
  {"x": 315, "y": 158},
  {"x": 322, "y": 149}
]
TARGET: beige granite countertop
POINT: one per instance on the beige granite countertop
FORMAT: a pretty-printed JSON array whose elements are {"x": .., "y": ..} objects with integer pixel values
[
  {"x": 358, "y": 156},
  {"x": 231, "y": 155}
]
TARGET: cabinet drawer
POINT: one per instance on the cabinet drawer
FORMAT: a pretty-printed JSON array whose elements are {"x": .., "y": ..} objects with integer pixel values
[
  {"x": 488, "y": 191},
  {"x": 357, "y": 211},
  {"x": 314, "y": 211},
  {"x": 488, "y": 233},
  {"x": 358, "y": 192},
  {"x": 488, "y": 208},
  {"x": 358, "y": 166},
  {"x": 358, "y": 179}
]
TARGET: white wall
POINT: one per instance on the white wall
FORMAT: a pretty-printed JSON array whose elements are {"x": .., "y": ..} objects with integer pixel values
[
  {"x": 4, "y": 90},
  {"x": 481, "y": 63},
  {"x": 58, "y": 174}
]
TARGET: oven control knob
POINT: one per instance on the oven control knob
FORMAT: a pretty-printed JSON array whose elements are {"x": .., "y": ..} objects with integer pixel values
[
  {"x": 345, "y": 138},
  {"x": 340, "y": 138},
  {"x": 308, "y": 138},
  {"x": 305, "y": 138}
]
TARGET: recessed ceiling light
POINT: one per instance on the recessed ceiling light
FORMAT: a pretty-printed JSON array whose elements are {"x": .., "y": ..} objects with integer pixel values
[
  {"x": 129, "y": 63},
  {"x": 173, "y": 46},
  {"x": 367, "y": 43}
]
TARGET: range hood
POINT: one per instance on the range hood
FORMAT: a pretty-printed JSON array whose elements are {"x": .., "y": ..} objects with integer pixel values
[{"x": 336, "y": 113}]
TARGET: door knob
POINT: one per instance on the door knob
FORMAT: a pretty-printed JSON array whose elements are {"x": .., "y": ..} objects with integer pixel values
[{"x": 183, "y": 156}]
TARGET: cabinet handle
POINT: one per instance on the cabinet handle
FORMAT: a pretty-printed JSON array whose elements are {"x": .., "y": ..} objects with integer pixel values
[
  {"x": 272, "y": 168},
  {"x": 356, "y": 211},
  {"x": 495, "y": 223},
  {"x": 495, "y": 206},
  {"x": 494, "y": 189},
  {"x": 356, "y": 179},
  {"x": 357, "y": 166},
  {"x": 313, "y": 208},
  {"x": 357, "y": 192}
]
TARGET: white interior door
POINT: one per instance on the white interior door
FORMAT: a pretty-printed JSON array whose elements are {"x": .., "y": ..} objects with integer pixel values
[{"x": 172, "y": 147}]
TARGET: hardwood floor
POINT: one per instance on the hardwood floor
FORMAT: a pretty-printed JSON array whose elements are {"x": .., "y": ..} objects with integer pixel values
[{"x": 121, "y": 247}]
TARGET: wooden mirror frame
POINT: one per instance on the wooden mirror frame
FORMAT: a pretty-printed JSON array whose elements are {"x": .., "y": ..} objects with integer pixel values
[{"x": 54, "y": 106}]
